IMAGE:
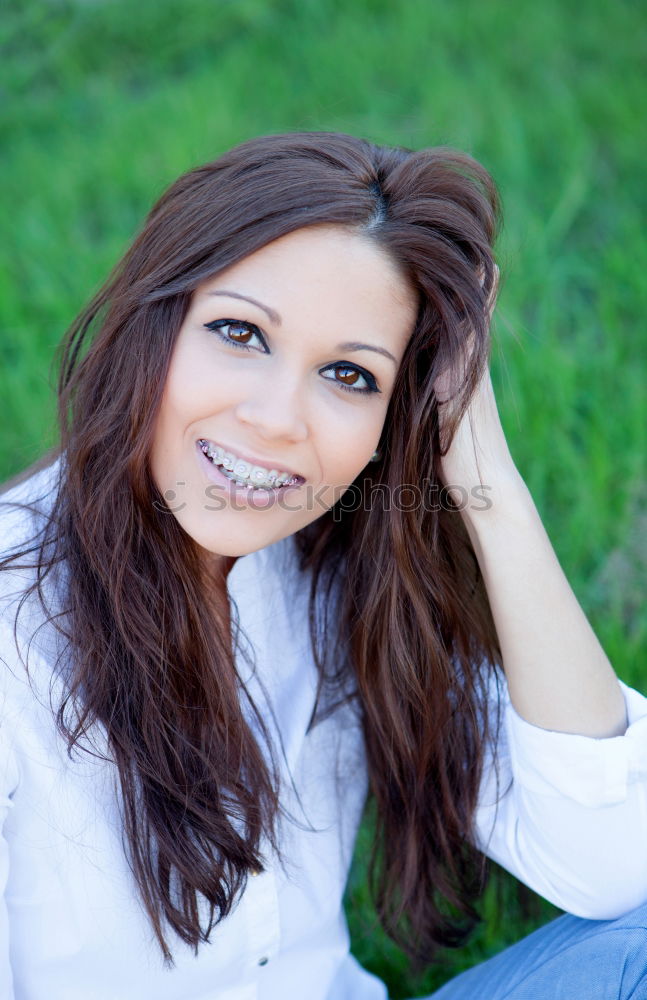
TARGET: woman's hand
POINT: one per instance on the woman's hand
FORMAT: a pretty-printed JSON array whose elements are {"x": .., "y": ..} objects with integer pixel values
[{"x": 479, "y": 453}]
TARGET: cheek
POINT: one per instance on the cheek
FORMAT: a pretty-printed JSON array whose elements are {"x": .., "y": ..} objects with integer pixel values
[
  {"x": 194, "y": 390},
  {"x": 188, "y": 391},
  {"x": 348, "y": 444}
]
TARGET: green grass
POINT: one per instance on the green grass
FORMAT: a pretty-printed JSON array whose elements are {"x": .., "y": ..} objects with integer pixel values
[{"x": 104, "y": 102}]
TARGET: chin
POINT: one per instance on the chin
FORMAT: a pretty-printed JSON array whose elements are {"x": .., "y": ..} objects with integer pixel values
[{"x": 232, "y": 537}]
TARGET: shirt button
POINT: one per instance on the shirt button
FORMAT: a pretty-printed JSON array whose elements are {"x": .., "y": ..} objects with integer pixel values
[{"x": 263, "y": 961}]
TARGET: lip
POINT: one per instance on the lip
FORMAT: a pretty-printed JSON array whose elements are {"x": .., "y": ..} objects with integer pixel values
[
  {"x": 213, "y": 473},
  {"x": 265, "y": 462}
]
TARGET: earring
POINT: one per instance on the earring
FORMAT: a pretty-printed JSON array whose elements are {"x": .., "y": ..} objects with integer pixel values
[{"x": 375, "y": 457}]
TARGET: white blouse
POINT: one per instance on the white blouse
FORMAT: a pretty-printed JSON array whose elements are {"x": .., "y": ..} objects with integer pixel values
[{"x": 570, "y": 822}]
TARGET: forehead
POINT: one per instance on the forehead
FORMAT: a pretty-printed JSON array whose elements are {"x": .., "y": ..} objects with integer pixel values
[{"x": 326, "y": 276}]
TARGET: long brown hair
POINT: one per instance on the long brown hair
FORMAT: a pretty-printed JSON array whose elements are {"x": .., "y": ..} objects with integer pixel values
[{"x": 411, "y": 614}]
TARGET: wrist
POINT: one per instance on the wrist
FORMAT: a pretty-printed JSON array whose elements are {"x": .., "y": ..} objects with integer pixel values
[{"x": 503, "y": 500}]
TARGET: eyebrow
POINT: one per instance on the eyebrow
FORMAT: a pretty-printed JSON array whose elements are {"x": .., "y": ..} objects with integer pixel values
[
  {"x": 273, "y": 315},
  {"x": 349, "y": 345},
  {"x": 353, "y": 345}
]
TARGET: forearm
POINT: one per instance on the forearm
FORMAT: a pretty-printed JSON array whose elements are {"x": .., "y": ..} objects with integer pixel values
[{"x": 558, "y": 675}]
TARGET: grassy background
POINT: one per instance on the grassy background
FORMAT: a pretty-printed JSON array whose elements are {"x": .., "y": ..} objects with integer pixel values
[{"x": 104, "y": 102}]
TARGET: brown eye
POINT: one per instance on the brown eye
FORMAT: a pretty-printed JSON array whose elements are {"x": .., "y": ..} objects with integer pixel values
[
  {"x": 351, "y": 377},
  {"x": 239, "y": 332},
  {"x": 236, "y": 333},
  {"x": 348, "y": 377}
]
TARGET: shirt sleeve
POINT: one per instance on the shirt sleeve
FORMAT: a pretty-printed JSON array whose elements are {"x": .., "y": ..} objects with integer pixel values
[
  {"x": 567, "y": 814},
  {"x": 8, "y": 784}
]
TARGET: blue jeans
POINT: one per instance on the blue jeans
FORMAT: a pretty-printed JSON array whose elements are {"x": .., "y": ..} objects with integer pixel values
[{"x": 567, "y": 959}]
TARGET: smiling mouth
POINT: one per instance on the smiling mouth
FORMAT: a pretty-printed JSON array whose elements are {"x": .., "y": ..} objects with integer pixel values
[{"x": 244, "y": 473}]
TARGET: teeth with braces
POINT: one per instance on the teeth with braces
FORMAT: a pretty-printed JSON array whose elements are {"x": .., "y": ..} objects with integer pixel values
[{"x": 228, "y": 463}]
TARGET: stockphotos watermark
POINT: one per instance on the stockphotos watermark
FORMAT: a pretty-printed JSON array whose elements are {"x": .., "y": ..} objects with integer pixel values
[{"x": 404, "y": 497}]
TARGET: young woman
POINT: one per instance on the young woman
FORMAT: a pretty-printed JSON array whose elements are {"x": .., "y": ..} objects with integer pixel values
[{"x": 282, "y": 560}]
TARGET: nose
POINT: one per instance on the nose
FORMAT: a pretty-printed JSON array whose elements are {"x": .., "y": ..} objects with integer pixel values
[{"x": 275, "y": 411}]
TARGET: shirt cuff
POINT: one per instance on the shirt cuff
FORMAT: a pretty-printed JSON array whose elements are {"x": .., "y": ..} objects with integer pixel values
[{"x": 593, "y": 772}]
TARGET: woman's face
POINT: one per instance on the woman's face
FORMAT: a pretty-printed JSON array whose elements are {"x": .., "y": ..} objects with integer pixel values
[{"x": 268, "y": 378}]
